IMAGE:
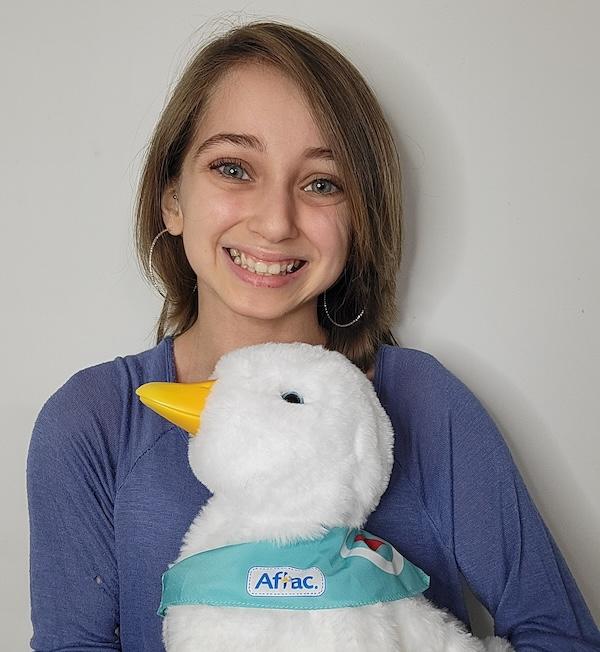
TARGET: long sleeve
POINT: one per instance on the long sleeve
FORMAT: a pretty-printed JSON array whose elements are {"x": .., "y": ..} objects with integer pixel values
[
  {"x": 70, "y": 489},
  {"x": 502, "y": 546}
]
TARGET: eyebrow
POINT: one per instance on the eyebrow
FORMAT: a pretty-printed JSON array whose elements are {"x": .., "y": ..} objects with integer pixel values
[{"x": 252, "y": 142}]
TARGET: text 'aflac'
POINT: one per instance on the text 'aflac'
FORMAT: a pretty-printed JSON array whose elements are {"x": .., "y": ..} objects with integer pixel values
[{"x": 285, "y": 581}]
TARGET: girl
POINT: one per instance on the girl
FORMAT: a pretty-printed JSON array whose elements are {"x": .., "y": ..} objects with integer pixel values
[{"x": 269, "y": 210}]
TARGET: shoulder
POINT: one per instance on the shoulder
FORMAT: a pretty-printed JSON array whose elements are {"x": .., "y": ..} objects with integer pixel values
[
  {"x": 418, "y": 380},
  {"x": 93, "y": 389},
  {"x": 100, "y": 389},
  {"x": 445, "y": 439},
  {"x": 90, "y": 413},
  {"x": 436, "y": 416}
]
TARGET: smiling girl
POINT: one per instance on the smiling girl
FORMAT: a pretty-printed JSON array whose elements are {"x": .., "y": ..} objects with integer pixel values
[
  {"x": 269, "y": 209},
  {"x": 263, "y": 216}
]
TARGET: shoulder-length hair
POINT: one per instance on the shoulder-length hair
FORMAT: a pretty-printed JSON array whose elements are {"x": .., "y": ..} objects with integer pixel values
[{"x": 353, "y": 124}]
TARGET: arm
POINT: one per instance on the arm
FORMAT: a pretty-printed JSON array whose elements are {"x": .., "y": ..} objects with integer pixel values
[
  {"x": 73, "y": 574},
  {"x": 502, "y": 546}
]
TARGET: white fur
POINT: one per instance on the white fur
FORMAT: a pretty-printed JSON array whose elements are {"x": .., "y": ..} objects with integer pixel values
[{"x": 284, "y": 471}]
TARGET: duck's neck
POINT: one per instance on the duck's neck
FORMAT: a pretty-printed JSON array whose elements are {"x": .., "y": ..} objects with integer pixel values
[{"x": 223, "y": 522}]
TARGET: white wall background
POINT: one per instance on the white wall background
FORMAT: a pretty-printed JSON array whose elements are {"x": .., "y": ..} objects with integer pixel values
[{"x": 495, "y": 107}]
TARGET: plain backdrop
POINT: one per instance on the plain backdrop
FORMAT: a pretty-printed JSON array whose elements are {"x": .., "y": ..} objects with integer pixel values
[{"x": 494, "y": 106}]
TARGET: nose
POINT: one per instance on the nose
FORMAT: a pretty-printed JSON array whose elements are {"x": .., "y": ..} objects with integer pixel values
[{"x": 274, "y": 216}]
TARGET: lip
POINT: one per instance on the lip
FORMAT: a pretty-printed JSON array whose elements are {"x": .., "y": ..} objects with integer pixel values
[
  {"x": 257, "y": 280},
  {"x": 263, "y": 254}
]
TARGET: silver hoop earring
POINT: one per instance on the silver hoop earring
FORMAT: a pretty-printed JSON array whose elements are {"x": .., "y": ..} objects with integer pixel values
[
  {"x": 335, "y": 322},
  {"x": 150, "y": 265}
]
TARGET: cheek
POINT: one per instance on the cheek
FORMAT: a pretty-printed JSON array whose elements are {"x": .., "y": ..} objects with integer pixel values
[
  {"x": 205, "y": 221},
  {"x": 211, "y": 210},
  {"x": 344, "y": 238},
  {"x": 222, "y": 209},
  {"x": 338, "y": 238}
]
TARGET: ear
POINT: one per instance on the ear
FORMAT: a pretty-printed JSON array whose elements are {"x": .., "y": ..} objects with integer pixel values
[{"x": 171, "y": 211}]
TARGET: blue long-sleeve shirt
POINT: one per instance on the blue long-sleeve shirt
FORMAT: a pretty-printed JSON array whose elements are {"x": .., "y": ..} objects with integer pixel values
[{"x": 111, "y": 495}]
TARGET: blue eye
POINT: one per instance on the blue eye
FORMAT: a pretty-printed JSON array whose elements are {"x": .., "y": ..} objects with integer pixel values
[
  {"x": 321, "y": 182},
  {"x": 229, "y": 165},
  {"x": 292, "y": 397}
]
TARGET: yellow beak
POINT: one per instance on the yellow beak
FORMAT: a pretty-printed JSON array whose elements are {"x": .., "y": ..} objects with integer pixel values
[{"x": 180, "y": 403}]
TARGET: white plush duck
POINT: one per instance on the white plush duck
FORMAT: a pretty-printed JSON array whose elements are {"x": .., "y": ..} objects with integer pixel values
[{"x": 297, "y": 451}]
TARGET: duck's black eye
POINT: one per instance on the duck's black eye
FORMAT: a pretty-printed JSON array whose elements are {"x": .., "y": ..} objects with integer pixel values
[{"x": 292, "y": 397}]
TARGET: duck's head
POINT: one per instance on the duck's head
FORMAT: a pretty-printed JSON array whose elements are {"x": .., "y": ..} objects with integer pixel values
[{"x": 289, "y": 429}]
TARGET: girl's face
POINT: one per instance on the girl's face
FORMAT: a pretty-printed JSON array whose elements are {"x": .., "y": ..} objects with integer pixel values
[{"x": 267, "y": 190}]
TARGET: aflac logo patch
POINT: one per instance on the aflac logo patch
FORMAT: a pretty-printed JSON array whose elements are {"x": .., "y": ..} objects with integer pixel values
[{"x": 284, "y": 581}]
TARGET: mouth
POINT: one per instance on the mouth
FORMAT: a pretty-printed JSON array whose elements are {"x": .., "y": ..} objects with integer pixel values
[{"x": 264, "y": 268}]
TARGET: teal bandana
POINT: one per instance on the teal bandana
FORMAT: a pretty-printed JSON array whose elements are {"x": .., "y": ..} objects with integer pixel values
[{"x": 347, "y": 567}]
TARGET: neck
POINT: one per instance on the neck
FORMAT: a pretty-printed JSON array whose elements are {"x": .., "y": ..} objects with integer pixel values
[
  {"x": 219, "y": 330},
  {"x": 221, "y": 522}
]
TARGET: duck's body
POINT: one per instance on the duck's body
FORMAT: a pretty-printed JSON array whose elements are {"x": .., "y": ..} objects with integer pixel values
[
  {"x": 390, "y": 627},
  {"x": 294, "y": 442},
  {"x": 399, "y": 626}
]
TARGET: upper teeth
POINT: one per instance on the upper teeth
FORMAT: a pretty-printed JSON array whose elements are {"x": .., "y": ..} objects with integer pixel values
[{"x": 260, "y": 267}]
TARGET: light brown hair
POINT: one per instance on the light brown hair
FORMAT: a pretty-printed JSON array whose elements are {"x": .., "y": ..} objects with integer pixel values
[{"x": 355, "y": 129}]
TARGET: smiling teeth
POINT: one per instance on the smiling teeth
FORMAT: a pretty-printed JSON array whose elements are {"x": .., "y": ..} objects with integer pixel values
[{"x": 262, "y": 268}]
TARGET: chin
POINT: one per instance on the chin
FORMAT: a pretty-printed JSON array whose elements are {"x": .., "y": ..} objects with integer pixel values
[
  {"x": 268, "y": 309},
  {"x": 267, "y": 314}
]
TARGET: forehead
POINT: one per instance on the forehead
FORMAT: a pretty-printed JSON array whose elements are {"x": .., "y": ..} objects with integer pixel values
[{"x": 259, "y": 99}]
